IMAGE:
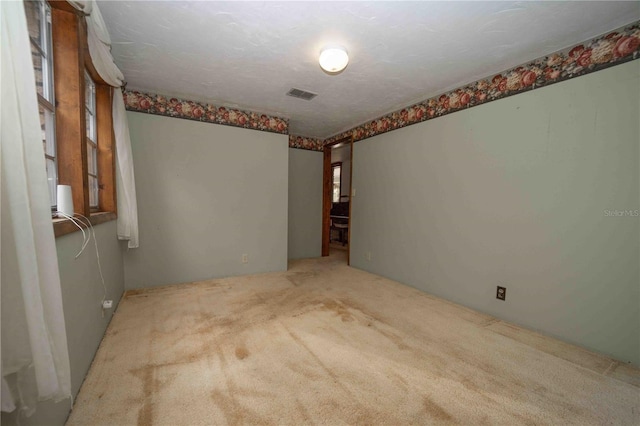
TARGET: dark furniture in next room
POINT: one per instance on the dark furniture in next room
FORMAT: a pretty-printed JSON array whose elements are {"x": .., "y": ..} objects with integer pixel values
[{"x": 340, "y": 222}]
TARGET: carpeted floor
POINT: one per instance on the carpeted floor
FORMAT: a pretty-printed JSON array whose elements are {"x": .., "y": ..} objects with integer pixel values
[{"x": 327, "y": 344}]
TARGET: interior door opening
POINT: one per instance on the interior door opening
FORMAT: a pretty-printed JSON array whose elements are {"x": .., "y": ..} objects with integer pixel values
[{"x": 336, "y": 212}]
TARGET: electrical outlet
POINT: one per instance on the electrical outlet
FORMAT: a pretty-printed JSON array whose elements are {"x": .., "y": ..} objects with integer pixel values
[
  {"x": 245, "y": 258},
  {"x": 368, "y": 256},
  {"x": 107, "y": 304},
  {"x": 501, "y": 293}
]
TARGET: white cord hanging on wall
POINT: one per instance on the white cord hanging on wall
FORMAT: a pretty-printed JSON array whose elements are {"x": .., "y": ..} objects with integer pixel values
[{"x": 65, "y": 209}]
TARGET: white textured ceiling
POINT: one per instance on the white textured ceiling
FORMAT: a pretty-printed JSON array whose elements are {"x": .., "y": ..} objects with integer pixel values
[{"x": 249, "y": 54}]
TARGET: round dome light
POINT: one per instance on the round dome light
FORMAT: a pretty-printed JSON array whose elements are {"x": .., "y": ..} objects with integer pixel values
[{"x": 333, "y": 59}]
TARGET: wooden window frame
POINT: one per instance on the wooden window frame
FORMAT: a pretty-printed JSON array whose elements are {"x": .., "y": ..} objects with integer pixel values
[{"x": 70, "y": 60}]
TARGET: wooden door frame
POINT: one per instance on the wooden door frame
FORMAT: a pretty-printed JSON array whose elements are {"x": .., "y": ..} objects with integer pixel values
[{"x": 326, "y": 194}]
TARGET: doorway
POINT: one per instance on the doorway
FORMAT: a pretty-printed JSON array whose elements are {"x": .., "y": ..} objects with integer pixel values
[{"x": 336, "y": 209}]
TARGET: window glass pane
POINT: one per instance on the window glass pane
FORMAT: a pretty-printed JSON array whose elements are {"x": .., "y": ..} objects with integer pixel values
[
  {"x": 48, "y": 143},
  {"x": 51, "y": 179},
  {"x": 90, "y": 167},
  {"x": 92, "y": 151},
  {"x": 93, "y": 128},
  {"x": 48, "y": 56},
  {"x": 34, "y": 11},
  {"x": 37, "y": 69},
  {"x": 91, "y": 158},
  {"x": 90, "y": 103},
  {"x": 48, "y": 132},
  {"x": 89, "y": 121},
  {"x": 39, "y": 25},
  {"x": 43, "y": 127},
  {"x": 87, "y": 92},
  {"x": 336, "y": 193},
  {"x": 93, "y": 191},
  {"x": 46, "y": 80},
  {"x": 38, "y": 14},
  {"x": 90, "y": 92}
]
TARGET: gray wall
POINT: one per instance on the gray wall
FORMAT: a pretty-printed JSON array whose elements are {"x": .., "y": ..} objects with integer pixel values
[
  {"x": 514, "y": 193},
  {"x": 305, "y": 203},
  {"x": 82, "y": 293},
  {"x": 207, "y": 194}
]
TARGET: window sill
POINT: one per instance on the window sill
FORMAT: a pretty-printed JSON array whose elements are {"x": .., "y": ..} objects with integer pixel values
[{"x": 62, "y": 226}]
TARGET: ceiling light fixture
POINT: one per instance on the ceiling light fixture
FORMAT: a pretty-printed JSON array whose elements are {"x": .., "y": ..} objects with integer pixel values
[{"x": 333, "y": 59}]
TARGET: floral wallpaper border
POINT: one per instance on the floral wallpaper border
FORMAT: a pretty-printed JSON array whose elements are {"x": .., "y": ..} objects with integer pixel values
[
  {"x": 173, "y": 107},
  {"x": 602, "y": 52},
  {"x": 615, "y": 48},
  {"x": 303, "y": 142},
  {"x": 151, "y": 103}
]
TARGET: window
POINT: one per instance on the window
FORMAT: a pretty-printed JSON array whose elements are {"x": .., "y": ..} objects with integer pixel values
[
  {"x": 77, "y": 125},
  {"x": 92, "y": 139},
  {"x": 39, "y": 25},
  {"x": 336, "y": 189}
]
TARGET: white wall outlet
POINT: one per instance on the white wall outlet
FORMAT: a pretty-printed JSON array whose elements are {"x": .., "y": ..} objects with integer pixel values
[
  {"x": 245, "y": 258},
  {"x": 368, "y": 256},
  {"x": 353, "y": 192},
  {"x": 107, "y": 304}
]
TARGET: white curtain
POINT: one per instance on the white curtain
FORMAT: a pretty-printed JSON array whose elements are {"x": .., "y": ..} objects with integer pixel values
[
  {"x": 35, "y": 359},
  {"x": 125, "y": 181},
  {"x": 100, "y": 50}
]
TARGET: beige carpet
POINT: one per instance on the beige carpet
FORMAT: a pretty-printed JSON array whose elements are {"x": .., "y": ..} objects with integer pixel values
[{"x": 327, "y": 344}]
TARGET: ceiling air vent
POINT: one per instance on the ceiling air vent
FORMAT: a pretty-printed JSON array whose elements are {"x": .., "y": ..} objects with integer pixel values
[{"x": 301, "y": 94}]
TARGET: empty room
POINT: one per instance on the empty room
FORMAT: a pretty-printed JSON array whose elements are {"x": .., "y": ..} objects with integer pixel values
[{"x": 323, "y": 213}]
